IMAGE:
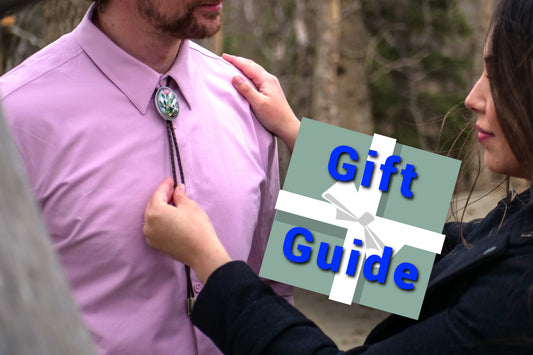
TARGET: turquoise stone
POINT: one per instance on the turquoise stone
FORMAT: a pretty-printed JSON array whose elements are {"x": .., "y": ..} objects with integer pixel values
[{"x": 166, "y": 102}]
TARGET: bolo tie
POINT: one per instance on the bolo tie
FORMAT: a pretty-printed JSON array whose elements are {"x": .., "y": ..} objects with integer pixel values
[{"x": 166, "y": 103}]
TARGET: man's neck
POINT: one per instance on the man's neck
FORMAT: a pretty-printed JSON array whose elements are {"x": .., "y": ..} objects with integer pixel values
[{"x": 123, "y": 24}]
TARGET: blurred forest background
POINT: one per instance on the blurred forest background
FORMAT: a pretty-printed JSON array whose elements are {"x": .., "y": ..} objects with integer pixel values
[{"x": 395, "y": 67}]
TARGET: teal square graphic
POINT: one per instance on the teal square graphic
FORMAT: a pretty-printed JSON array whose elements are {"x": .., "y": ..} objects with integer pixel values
[{"x": 308, "y": 176}]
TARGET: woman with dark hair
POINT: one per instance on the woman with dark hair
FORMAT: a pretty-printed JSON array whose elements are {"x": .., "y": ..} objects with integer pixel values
[{"x": 480, "y": 295}]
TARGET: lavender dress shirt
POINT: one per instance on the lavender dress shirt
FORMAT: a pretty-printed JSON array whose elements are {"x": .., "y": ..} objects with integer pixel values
[{"x": 82, "y": 114}]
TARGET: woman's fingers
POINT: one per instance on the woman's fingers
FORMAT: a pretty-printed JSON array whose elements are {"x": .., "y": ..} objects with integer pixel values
[
  {"x": 179, "y": 194},
  {"x": 162, "y": 195},
  {"x": 250, "y": 93},
  {"x": 164, "y": 191},
  {"x": 252, "y": 70}
]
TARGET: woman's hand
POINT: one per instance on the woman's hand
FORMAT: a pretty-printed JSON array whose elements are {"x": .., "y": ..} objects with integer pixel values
[
  {"x": 184, "y": 231},
  {"x": 268, "y": 100}
]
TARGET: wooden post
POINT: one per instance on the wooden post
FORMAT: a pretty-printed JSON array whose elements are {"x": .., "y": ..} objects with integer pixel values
[{"x": 37, "y": 312}]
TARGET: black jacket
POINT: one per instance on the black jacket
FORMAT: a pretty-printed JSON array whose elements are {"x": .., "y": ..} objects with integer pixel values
[{"x": 479, "y": 300}]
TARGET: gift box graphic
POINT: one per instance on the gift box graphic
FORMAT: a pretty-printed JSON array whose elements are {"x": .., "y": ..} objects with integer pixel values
[{"x": 385, "y": 225}]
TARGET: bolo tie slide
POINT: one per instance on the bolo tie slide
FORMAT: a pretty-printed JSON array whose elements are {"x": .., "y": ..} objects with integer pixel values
[{"x": 166, "y": 103}]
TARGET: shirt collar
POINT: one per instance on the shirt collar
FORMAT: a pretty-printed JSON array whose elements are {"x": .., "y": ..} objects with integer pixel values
[
  {"x": 183, "y": 73},
  {"x": 133, "y": 78}
]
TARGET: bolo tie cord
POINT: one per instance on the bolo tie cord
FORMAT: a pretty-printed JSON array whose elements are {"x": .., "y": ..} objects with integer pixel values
[
  {"x": 173, "y": 144},
  {"x": 175, "y": 156},
  {"x": 167, "y": 105}
]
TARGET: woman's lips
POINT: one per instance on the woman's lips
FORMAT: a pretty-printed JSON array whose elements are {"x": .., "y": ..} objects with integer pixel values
[{"x": 482, "y": 134}]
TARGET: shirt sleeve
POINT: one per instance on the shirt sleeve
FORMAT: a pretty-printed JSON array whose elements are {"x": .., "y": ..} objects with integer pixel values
[
  {"x": 269, "y": 195},
  {"x": 242, "y": 315}
]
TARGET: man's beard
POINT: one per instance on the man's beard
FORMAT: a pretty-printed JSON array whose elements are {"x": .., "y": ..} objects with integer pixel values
[{"x": 180, "y": 27}]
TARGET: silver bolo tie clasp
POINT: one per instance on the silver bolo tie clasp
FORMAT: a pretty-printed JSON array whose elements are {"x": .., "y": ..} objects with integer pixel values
[{"x": 166, "y": 102}]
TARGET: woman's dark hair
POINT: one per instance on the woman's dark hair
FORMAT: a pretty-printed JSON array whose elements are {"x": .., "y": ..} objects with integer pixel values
[{"x": 509, "y": 66}]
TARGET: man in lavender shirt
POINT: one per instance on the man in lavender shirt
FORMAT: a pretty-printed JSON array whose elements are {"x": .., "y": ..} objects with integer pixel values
[{"x": 83, "y": 117}]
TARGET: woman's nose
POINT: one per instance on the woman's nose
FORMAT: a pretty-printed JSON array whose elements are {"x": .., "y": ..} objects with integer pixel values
[{"x": 475, "y": 101}]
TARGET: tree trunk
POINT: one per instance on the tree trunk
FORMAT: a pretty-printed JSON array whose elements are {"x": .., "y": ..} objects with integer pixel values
[
  {"x": 354, "y": 103},
  {"x": 324, "y": 106}
]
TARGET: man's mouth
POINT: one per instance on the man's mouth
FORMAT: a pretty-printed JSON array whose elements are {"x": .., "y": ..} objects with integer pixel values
[{"x": 211, "y": 6}]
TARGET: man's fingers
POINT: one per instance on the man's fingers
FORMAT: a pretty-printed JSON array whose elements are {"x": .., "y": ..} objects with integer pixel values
[{"x": 252, "y": 70}]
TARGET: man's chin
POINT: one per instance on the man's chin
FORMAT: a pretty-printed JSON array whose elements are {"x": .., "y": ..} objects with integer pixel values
[
  {"x": 203, "y": 32},
  {"x": 213, "y": 32}
]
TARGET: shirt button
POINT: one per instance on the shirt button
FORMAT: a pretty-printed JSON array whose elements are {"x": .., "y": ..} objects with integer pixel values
[{"x": 197, "y": 287}]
